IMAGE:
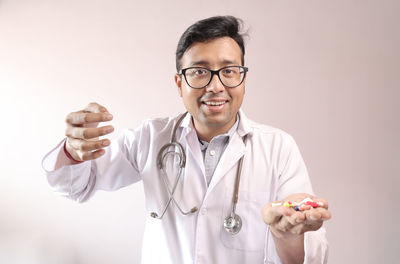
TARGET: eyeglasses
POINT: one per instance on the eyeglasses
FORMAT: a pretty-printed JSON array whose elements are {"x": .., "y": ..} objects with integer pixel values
[{"x": 200, "y": 77}]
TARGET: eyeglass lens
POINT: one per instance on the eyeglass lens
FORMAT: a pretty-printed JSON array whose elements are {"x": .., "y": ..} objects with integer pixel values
[{"x": 200, "y": 77}]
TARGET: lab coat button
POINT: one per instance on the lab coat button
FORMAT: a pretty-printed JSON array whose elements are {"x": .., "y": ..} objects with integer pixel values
[
  {"x": 203, "y": 211},
  {"x": 212, "y": 152}
]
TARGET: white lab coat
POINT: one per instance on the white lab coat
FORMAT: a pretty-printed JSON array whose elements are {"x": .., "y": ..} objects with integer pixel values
[{"x": 272, "y": 169}]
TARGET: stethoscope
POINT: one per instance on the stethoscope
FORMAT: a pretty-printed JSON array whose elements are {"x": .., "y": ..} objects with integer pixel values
[{"x": 233, "y": 222}]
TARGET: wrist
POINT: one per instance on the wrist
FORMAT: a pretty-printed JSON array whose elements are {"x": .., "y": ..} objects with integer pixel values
[
  {"x": 290, "y": 247},
  {"x": 283, "y": 235},
  {"x": 69, "y": 156}
]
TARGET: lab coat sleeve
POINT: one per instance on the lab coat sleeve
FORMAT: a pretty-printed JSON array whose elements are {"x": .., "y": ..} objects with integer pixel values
[
  {"x": 293, "y": 178},
  {"x": 117, "y": 168}
]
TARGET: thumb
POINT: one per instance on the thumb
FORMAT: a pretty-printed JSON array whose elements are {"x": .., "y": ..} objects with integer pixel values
[{"x": 272, "y": 214}]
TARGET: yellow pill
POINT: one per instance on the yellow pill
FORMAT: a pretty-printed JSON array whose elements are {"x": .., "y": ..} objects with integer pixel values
[{"x": 286, "y": 204}]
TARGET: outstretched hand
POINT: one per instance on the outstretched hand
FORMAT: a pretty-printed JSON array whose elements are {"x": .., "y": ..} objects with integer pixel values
[
  {"x": 286, "y": 222},
  {"x": 83, "y": 134}
]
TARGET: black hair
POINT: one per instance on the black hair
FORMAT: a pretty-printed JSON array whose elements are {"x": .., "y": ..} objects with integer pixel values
[{"x": 209, "y": 29}]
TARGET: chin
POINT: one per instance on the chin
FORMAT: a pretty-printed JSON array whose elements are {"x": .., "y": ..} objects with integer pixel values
[{"x": 216, "y": 121}]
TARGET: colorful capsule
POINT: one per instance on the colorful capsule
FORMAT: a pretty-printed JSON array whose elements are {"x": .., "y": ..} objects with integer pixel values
[
  {"x": 305, "y": 200},
  {"x": 306, "y": 204},
  {"x": 313, "y": 204},
  {"x": 305, "y": 207}
]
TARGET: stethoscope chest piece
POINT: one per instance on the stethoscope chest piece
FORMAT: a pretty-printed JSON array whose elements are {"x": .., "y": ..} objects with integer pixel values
[{"x": 233, "y": 224}]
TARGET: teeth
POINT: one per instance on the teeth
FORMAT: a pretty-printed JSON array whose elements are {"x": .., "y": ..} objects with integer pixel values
[{"x": 214, "y": 103}]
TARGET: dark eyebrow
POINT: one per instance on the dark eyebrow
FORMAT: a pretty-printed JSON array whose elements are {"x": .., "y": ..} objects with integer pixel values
[
  {"x": 206, "y": 63},
  {"x": 226, "y": 62},
  {"x": 200, "y": 63}
]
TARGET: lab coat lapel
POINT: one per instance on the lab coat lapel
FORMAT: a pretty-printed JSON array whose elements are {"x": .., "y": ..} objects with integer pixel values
[
  {"x": 194, "y": 149},
  {"x": 192, "y": 143},
  {"x": 232, "y": 154}
]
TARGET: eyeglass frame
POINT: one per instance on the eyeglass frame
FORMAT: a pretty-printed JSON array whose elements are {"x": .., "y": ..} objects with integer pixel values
[{"x": 216, "y": 72}]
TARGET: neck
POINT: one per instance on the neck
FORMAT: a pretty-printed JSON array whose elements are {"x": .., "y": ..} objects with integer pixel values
[{"x": 206, "y": 133}]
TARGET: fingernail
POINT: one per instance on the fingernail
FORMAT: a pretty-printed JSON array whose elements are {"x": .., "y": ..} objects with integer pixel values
[
  {"x": 299, "y": 221},
  {"x": 110, "y": 129},
  {"x": 106, "y": 143},
  {"x": 108, "y": 116}
]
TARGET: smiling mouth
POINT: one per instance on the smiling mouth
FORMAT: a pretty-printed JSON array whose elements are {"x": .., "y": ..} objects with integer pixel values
[{"x": 214, "y": 103}]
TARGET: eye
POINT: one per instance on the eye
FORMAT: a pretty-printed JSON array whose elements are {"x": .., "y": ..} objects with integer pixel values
[
  {"x": 230, "y": 71},
  {"x": 199, "y": 72}
]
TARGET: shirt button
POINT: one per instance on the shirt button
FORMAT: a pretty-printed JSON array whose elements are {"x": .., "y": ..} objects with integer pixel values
[
  {"x": 203, "y": 211},
  {"x": 212, "y": 152}
]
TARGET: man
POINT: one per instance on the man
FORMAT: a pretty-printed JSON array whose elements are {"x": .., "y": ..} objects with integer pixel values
[{"x": 217, "y": 155}]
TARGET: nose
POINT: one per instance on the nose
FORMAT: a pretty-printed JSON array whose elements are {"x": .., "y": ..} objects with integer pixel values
[{"x": 215, "y": 85}]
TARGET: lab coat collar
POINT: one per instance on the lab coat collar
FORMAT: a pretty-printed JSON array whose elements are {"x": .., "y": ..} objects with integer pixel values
[
  {"x": 244, "y": 127},
  {"x": 187, "y": 121},
  {"x": 233, "y": 152},
  {"x": 188, "y": 133}
]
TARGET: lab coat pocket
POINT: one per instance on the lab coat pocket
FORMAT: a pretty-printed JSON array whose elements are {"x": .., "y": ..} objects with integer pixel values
[{"x": 252, "y": 235}]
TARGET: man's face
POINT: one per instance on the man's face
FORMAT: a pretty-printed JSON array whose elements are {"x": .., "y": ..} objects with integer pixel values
[{"x": 213, "y": 55}]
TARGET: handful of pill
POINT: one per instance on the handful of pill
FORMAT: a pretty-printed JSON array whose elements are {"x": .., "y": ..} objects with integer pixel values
[{"x": 306, "y": 204}]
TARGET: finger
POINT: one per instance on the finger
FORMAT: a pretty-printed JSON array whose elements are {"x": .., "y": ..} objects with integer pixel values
[
  {"x": 95, "y": 145},
  {"x": 93, "y": 155},
  {"x": 84, "y": 145},
  {"x": 95, "y": 108},
  {"x": 87, "y": 133},
  {"x": 297, "y": 217},
  {"x": 283, "y": 224},
  {"x": 313, "y": 215},
  {"x": 325, "y": 214},
  {"x": 80, "y": 118},
  {"x": 273, "y": 214}
]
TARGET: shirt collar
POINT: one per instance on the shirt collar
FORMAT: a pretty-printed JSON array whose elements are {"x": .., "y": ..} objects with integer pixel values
[
  {"x": 243, "y": 127},
  {"x": 227, "y": 135}
]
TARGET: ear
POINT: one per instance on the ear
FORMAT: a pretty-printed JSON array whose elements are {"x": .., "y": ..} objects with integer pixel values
[{"x": 178, "y": 82}]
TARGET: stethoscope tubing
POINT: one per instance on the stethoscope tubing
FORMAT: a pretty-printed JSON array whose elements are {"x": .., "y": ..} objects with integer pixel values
[
  {"x": 235, "y": 197},
  {"x": 232, "y": 222}
]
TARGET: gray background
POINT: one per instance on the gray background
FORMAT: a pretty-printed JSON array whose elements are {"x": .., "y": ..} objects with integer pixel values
[{"x": 327, "y": 72}]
